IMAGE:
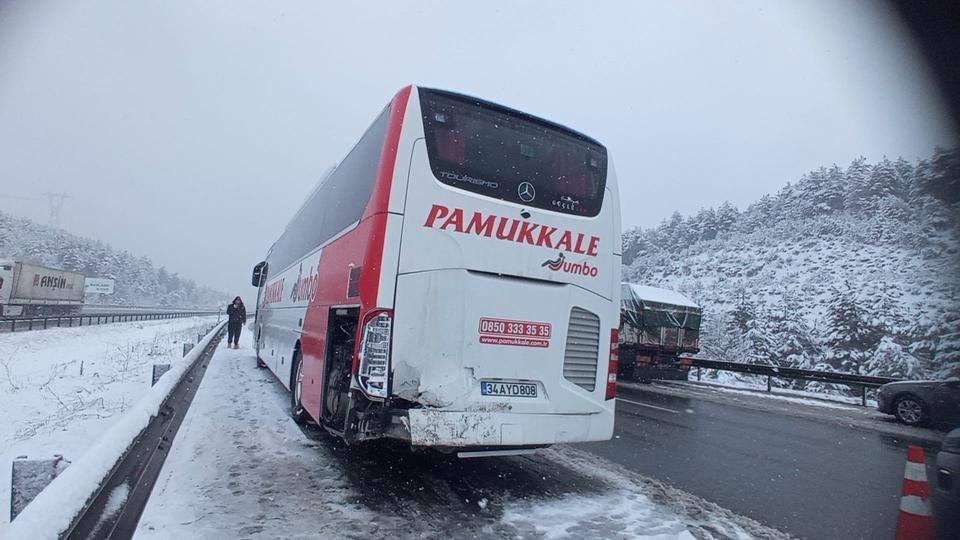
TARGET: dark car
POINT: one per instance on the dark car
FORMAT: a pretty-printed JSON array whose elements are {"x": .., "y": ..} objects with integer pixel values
[
  {"x": 917, "y": 403},
  {"x": 946, "y": 494}
]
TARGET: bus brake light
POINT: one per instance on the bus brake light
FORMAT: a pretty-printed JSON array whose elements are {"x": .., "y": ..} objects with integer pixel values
[
  {"x": 374, "y": 357},
  {"x": 613, "y": 364}
]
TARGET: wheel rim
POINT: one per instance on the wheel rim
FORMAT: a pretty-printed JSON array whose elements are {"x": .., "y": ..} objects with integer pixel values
[
  {"x": 298, "y": 386},
  {"x": 909, "y": 411}
]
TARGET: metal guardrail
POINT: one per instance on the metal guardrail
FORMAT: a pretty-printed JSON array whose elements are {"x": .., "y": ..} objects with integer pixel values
[
  {"x": 116, "y": 308},
  {"x": 861, "y": 382},
  {"x": 139, "y": 466},
  {"x": 68, "y": 321}
]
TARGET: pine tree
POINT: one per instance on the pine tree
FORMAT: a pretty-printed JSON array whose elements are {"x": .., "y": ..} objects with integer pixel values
[
  {"x": 719, "y": 338},
  {"x": 702, "y": 226},
  {"x": 886, "y": 311},
  {"x": 850, "y": 339},
  {"x": 890, "y": 359},
  {"x": 631, "y": 244},
  {"x": 758, "y": 337},
  {"x": 795, "y": 345},
  {"x": 940, "y": 177},
  {"x": 671, "y": 230},
  {"x": 884, "y": 181},
  {"x": 945, "y": 357},
  {"x": 743, "y": 313},
  {"x": 858, "y": 185},
  {"x": 726, "y": 217}
]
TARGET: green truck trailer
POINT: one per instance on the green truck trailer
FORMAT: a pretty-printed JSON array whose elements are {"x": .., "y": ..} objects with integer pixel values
[{"x": 658, "y": 328}]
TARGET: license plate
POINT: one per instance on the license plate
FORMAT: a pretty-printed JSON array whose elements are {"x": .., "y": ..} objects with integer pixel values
[{"x": 493, "y": 388}]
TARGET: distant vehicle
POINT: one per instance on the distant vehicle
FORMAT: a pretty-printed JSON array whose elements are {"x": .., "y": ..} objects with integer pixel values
[
  {"x": 918, "y": 403},
  {"x": 30, "y": 290},
  {"x": 656, "y": 327},
  {"x": 453, "y": 283},
  {"x": 947, "y": 487}
]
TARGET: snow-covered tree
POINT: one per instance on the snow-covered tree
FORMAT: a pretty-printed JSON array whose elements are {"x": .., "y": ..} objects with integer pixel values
[
  {"x": 858, "y": 181},
  {"x": 945, "y": 357},
  {"x": 940, "y": 177},
  {"x": 890, "y": 359},
  {"x": 888, "y": 230},
  {"x": 794, "y": 343},
  {"x": 850, "y": 337}
]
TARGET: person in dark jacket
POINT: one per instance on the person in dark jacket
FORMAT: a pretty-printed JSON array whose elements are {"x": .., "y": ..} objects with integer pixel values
[{"x": 236, "y": 318}]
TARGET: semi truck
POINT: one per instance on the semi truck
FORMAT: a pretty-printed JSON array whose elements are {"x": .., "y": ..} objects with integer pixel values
[
  {"x": 31, "y": 290},
  {"x": 658, "y": 327}
]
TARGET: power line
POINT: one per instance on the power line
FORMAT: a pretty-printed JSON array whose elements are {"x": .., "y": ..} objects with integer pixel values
[{"x": 56, "y": 206}]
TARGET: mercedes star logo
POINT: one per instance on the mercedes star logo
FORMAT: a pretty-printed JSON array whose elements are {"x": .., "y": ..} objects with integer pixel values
[{"x": 526, "y": 191}]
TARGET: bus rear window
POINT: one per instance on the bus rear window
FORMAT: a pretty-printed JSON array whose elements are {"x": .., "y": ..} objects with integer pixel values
[{"x": 508, "y": 155}]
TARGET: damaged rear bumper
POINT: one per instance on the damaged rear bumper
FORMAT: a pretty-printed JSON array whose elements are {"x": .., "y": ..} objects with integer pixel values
[{"x": 459, "y": 429}]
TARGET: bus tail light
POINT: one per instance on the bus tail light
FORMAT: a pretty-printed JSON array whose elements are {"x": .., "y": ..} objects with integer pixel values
[
  {"x": 373, "y": 370},
  {"x": 613, "y": 364}
]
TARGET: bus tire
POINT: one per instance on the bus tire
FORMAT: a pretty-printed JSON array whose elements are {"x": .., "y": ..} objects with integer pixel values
[
  {"x": 260, "y": 362},
  {"x": 297, "y": 412}
]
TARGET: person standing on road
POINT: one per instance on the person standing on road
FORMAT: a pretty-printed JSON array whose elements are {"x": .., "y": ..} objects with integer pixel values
[{"x": 236, "y": 318}]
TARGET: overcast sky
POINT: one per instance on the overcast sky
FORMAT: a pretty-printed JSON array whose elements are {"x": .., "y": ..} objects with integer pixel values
[{"x": 191, "y": 131}]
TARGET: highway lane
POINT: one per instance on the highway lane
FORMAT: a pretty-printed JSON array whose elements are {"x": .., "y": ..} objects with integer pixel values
[
  {"x": 240, "y": 468},
  {"x": 810, "y": 478}
]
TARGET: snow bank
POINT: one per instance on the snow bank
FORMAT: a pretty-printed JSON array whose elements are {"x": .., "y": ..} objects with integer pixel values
[{"x": 54, "y": 509}]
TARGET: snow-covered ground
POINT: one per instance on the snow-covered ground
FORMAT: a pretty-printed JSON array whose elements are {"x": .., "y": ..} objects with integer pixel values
[
  {"x": 240, "y": 468},
  {"x": 61, "y": 389}
]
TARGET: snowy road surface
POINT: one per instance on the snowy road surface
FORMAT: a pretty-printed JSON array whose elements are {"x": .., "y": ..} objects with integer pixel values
[
  {"x": 61, "y": 388},
  {"x": 812, "y": 471},
  {"x": 240, "y": 468}
]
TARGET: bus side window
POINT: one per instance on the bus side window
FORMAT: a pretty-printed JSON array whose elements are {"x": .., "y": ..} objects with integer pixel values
[{"x": 259, "y": 274}]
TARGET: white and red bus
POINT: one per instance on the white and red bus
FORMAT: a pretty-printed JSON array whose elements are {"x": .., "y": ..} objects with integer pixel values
[{"x": 454, "y": 282}]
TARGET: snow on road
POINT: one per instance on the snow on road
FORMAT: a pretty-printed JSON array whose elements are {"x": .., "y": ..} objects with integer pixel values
[
  {"x": 60, "y": 389},
  {"x": 240, "y": 468}
]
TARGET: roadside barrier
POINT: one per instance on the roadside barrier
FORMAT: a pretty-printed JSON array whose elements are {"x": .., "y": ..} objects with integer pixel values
[
  {"x": 79, "y": 503},
  {"x": 89, "y": 319},
  {"x": 860, "y": 382},
  {"x": 915, "y": 520}
]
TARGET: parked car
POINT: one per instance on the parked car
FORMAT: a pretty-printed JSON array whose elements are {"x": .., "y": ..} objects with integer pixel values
[
  {"x": 946, "y": 495},
  {"x": 917, "y": 403}
]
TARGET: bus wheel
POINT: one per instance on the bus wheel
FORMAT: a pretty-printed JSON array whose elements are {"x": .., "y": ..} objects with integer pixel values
[
  {"x": 297, "y": 411},
  {"x": 260, "y": 363}
]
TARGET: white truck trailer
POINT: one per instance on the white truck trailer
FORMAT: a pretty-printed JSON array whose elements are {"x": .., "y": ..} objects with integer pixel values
[{"x": 30, "y": 290}]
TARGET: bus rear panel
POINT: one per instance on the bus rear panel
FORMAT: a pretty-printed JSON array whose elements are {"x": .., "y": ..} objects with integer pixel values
[{"x": 486, "y": 271}]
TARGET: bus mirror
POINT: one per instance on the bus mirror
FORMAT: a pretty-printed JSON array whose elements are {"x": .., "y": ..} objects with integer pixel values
[{"x": 259, "y": 274}]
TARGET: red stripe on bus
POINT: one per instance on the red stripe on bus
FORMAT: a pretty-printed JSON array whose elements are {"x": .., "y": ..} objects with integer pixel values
[
  {"x": 379, "y": 203},
  {"x": 377, "y": 209},
  {"x": 361, "y": 247}
]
